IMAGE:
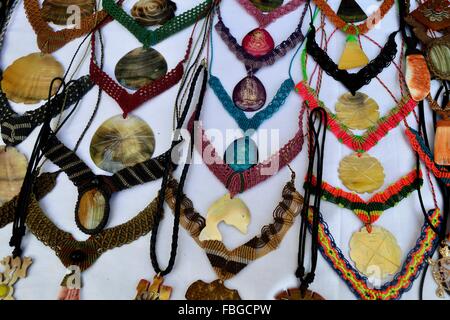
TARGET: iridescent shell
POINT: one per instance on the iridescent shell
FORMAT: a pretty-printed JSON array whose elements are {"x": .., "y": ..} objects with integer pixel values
[
  {"x": 267, "y": 5},
  {"x": 27, "y": 80},
  {"x": 258, "y": 42},
  {"x": 140, "y": 67},
  {"x": 13, "y": 167},
  {"x": 439, "y": 59},
  {"x": 91, "y": 210},
  {"x": 120, "y": 143},
  {"x": 241, "y": 154},
  {"x": 60, "y": 11},
  {"x": 417, "y": 76},
  {"x": 153, "y": 12},
  {"x": 352, "y": 56},
  {"x": 357, "y": 111},
  {"x": 249, "y": 94}
]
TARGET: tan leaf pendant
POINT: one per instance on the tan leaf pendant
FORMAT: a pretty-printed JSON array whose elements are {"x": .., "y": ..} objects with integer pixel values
[
  {"x": 361, "y": 173},
  {"x": 13, "y": 167},
  {"x": 358, "y": 111},
  {"x": 352, "y": 56},
  {"x": 441, "y": 271},
  {"x": 14, "y": 269},
  {"x": 215, "y": 290},
  {"x": 376, "y": 253},
  {"x": 296, "y": 294},
  {"x": 155, "y": 290},
  {"x": 232, "y": 211}
]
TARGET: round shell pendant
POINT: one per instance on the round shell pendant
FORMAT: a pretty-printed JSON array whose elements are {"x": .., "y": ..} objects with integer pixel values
[
  {"x": 92, "y": 211},
  {"x": 241, "y": 154},
  {"x": 296, "y": 294},
  {"x": 249, "y": 94},
  {"x": 13, "y": 167},
  {"x": 267, "y": 5},
  {"x": 258, "y": 42},
  {"x": 153, "y": 12},
  {"x": 27, "y": 80},
  {"x": 361, "y": 173},
  {"x": 140, "y": 67},
  {"x": 376, "y": 254},
  {"x": 357, "y": 111},
  {"x": 439, "y": 59},
  {"x": 59, "y": 11},
  {"x": 120, "y": 143}
]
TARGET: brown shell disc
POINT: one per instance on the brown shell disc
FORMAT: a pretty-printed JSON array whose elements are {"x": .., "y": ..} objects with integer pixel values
[
  {"x": 215, "y": 290},
  {"x": 357, "y": 111},
  {"x": 153, "y": 12},
  {"x": 60, "y": 11},
  {"x": 140, "y": 67},
  {"x": 13, "y": 167},
  {"x": 295, "y": 294},
  {"x": 27, "y": 80},
  {"x": 120, "y": 143},
  {"x": 249, "y": 94},
  {"x": 361, "y": 173}
]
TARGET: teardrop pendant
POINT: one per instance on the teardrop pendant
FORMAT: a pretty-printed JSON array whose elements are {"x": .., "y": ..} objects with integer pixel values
[
  {"x": 352, "y": 56},
  {"x": 249, "y": 94},
  {"x": 351, "y": 12},
  {"x": 241, "y": 154},
  {"x": 258, "y": 42}
]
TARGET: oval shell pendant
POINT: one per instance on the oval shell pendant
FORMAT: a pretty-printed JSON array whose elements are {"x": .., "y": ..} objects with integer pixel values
[
  {"x": 258, "y": 42},
  {"x": 27, "y": 80},
  {"x": 361, "y": 173},
  {"x": 417, "y": 76},
  {"x": 215, "y": 290},
  {"x": 357, "y": 111},
  {"x": 249, "y": 94},
  {"x": 59, "y": 11},
  {"x": 232, "y": 211},
  {"x": 376, "y": 254},
  {"x": 13, "y": 167},
  {"x": 153, "y": 12},
  {"x": 296, "y": 294},
  {"x": 92, "y": 211},
  {"x": 120, "y": 143},
  {"x": 267, "y": 5},
  {"x": 439, "y": 59},
  {"x": 241, "y": 154},
  {"x": 140, "y": 67}
]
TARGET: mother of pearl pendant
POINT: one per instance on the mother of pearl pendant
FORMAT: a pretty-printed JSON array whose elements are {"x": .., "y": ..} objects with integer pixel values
[{"x": 241, "y": 154}]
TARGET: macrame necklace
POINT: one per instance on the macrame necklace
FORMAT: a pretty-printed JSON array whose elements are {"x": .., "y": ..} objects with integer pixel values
[
  {"x": 257, "y": 50},
  {"x": 353, "y": 56},
  {"x": 264, "y": 19}
]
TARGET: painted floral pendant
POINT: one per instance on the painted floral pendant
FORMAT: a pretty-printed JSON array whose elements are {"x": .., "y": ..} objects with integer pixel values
[
  {"x": 13, "y": 167},
  {"x": 441, "y": 271},
  {"x": 120, "y": 143},
  {"x": 267, "y": 5},
  {"x": 296, "y": 294},
  {"x": 241, "y": 154},
  {"x": 258, "y": 42},
  {"x": 376, "y": 254},
  {"x": 361, "y": 173},
  {"x": 140, "y": 67},
  {"x": 153, "y": 12},
  {"x": 358, "y": 111},
  {"x": 215, "y": 290},
  {"x": 232, "y": 211},
  {"x": 27, "y": 80},
  {"x": 155, "y": 290},
  {"x": 249, "y": 94},
  {"x": 434, "y": 14},
  {"x": 13, "y": 270}
]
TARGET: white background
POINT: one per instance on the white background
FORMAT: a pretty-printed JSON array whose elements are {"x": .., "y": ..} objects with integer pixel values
[{"x": 117, "y": 272}]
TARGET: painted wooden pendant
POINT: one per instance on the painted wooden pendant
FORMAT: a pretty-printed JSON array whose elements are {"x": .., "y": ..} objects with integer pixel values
[
  {"x": 60, "y": 11},
  {"x": 120, "y": 143},
  {"x": 361, "y": 173},
  {"x": 417, "y": 76},
  {"x": 232, "y": 211},
  {"x": 153, "y": 12},
  {"x": 140, "y": 67},
  {"x": 376, "y": 254},
  {"x": 351, "y": 12},
  {"x": 296, "y": 294},
  {"x": 442, "y": 143},
  {"x": 258, "y": 42},
  {"x": 439, "y": 58},
  {"x": 215, "y": 290},
  {"x": 92, "y": 211},
  {"x": 27, "y": 80},
  {"x": 249, "y": 94},
  {"x": 440, "y": 269},
  {"x": 147, "y": 290},
  {"x": 358, "y": 111},
  {"x": 13, "y": 270},
  {"x": 352, "y": 56},
  {"x": 13, "y": 167},
  {"x": 241, "y": 154},
  {"x": 434, "y": 14},
  {"x": 267, "y": 5}
]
